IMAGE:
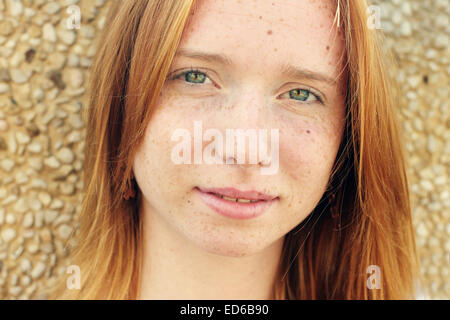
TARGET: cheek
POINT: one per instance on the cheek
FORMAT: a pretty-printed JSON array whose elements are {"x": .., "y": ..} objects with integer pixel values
[
  {"x": 154, "y": 168},
  {"x": 308, "y": 150}
]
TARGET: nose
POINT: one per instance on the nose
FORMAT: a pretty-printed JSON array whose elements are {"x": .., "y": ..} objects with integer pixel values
[{"x": 246, "y": 131}]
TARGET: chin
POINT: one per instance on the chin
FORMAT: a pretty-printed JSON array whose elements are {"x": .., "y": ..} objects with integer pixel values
[{"x": 230, "y": 246}]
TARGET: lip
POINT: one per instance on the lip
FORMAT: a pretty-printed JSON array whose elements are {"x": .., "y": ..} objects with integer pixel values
[{"x": 236, "y": 210}]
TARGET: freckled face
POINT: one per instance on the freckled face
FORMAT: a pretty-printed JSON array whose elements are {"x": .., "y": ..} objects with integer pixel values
[{"x": 255, "y": 87}]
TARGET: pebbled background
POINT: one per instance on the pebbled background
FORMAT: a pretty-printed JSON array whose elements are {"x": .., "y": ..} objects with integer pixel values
[{"x": 44, "y": 68}]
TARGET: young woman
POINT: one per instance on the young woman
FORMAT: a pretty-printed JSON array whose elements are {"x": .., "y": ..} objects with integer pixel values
[{"x": 332, "y": 218}]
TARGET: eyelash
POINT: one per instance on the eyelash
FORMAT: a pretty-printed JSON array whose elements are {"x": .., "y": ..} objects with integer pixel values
[{"x": 192, "y": 70}]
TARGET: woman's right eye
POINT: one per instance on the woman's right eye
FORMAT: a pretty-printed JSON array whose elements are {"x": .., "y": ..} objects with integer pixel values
[{"x": 194, "y": 77}]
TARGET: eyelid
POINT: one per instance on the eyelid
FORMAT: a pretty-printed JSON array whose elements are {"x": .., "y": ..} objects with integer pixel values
[
  {"x": 180, "y": 72},
  {"x": 316, "y": 94}
]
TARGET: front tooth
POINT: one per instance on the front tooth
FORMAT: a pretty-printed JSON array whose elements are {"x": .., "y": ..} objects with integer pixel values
[
  {"x": 229, "y": 199},
  {"x": 244, "y": 200}
]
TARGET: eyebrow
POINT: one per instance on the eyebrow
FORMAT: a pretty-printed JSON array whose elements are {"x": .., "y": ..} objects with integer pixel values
[{"x": 286, "y": 69}]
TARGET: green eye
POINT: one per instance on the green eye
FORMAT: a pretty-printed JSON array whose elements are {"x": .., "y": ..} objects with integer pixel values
[
  {"x": 195, "y": 77},
  {"x": 300, "y": 94}
]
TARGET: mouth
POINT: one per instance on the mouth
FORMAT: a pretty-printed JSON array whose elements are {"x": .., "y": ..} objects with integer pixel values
[{"x": 234, "y": 203}]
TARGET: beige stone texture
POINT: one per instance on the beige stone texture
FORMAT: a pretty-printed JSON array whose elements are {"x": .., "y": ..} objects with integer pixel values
[{"x": 44, "y": 67}]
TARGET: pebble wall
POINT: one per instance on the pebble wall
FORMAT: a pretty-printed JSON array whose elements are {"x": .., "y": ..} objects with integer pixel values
[{"x": 44, "y": 67}]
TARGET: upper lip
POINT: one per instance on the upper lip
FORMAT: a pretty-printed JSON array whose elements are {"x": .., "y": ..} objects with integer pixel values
[{"x": 238, "y": 194}]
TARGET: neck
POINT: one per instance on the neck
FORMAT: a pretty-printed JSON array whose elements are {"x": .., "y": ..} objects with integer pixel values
[{"x": 175, "y": 268}]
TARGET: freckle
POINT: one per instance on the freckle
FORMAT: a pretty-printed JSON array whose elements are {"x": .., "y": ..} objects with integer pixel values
[
  {"x": 308, "y": 132},
  {"x": 269, "y": 32},
  {"x": 281, "y": 20},
  {"x": 275, "y": 49},
  {"x": 328, "y": 47},
  {"x": 260, "y": 17}
]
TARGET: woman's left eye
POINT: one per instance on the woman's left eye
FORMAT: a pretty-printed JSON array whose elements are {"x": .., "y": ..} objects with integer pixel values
[{"x": 303, "y": 95}]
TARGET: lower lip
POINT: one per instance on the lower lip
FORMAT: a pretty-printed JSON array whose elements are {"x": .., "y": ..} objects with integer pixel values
[{"x": 235, "y": 210}]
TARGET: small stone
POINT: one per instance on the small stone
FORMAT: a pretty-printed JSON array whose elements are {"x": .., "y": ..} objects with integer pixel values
[
  {"x": 430, "y": 53},
  {"x": 76, "y": 78},
  {"x": 15, "y": 7},
  {"x": 405, "y": 29},
  {"x": 21, "y": 206},
  {"x": 7, "y": 165},
  {"x": 57, "y": 61},
  {"x": 22, "y": 138},
  {"x": 426, "y": 185},
  {"x": 64, "y": 231},
  {"x": 21, "y": 177},
  {"x": 68, "y": 37},
  {"x": 25, "y": 265},
  {"x": 65, "y": 155},
  {"x": 38, "y": 270},
  {"x": 397, "y": 17},
  {"x": 38, "y": 184},
  {"x": 45, "y": 198},
  {"x": 15, "y": 291},
  {"x": 441, "y": 41},
  {"x": 19, "y": 76},
  {"x": 73, "y": 61},
  {"x": 35, "y": 147},
  {"x": 10, "y": 199},
  {"x": 85, "y": 62},
  {"x": 76, "y": 121},
  {"x": 10, "y": 218},
  {"x": 57, "y": 204},
  {"x": 422, "y": 231},
  {"x": 4, "y": 88},
  {"x": 50, "y": 216},
  {"x": 35, "y": 204},
  {"x": 8, "y": 235},
  {"x": 39, "y": 219},
  {"x": 73, "y": 137},
  {"x": 414, "y": 81},
  {"x": 35, "y": 163},
  {"x": 38, "y": 95},
  {"x": 52, "y": 162},
  {"x": 25, "y": 281},
  {"x": 17, "y": 252},
  {"x": 49, "y": 33},
  {"x": 33, "y": 247},
  {"x": 67, "y": 188},
  {"x": 3, "y": 126},
  {"x": 88, "y": 31},
  {"x": 28, "y": 219},
  {"x": 52, "y": 8}
]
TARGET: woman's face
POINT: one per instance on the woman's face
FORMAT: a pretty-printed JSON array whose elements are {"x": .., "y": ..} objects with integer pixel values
[{"x": 275, "y": 65}]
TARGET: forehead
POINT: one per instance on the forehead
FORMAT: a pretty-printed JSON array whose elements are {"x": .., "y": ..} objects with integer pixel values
[{"x": 263, "y": 33}]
